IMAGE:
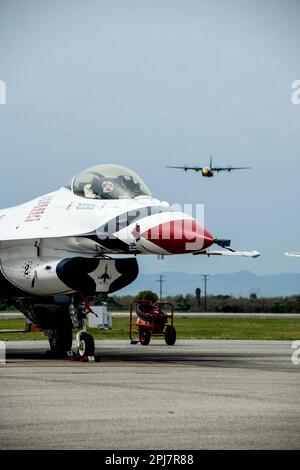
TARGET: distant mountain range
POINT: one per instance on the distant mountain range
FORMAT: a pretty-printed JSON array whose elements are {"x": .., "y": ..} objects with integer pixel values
[{"x": 239, "y": 284}]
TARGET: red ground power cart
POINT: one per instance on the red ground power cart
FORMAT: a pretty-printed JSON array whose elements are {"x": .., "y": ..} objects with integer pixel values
[{"x": 147, "y": 319}]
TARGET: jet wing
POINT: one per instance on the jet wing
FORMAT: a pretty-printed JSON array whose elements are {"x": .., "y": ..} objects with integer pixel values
[
  {"x": 186, "y": 168},
  {"x": 296, "y": 254},
  {"x": 247, "y": 254}
]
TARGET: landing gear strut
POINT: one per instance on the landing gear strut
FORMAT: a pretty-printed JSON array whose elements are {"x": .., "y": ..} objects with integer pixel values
[
  {"x": 57, "y": 320},
  {"x": 85, "y": 346}
]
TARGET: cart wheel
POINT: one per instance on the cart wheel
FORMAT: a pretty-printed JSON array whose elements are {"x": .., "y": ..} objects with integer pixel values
[
  {"x": 144, "y": 335},
  {"x": 86, "y": 345},
  {"x": 170, "y": 335}
]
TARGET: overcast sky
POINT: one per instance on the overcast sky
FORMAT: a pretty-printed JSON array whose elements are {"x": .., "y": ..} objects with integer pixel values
[{"x": 153, "y": 83}]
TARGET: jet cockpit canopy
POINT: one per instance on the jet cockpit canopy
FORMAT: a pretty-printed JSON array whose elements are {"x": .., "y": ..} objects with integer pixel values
[{"x": 108, "y": 182}]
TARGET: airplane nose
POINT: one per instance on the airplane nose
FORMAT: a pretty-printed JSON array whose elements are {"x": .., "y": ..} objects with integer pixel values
[{"x": 179, "y": 236}]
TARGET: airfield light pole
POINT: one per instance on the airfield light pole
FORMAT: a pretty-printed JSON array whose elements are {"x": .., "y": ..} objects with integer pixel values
[
  {"x": 205, "y": 277},
  {"x": 161, "y": 280}
]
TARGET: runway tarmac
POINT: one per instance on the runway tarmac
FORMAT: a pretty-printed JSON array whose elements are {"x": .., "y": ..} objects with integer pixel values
[{"x": 195, "y": 395}]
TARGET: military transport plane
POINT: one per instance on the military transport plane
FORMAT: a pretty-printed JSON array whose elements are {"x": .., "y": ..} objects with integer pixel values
[
  {"x": 83, "y": 239},
  {"x": 208, "y": 171}
]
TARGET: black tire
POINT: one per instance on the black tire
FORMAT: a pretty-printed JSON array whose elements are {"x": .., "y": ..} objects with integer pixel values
[
  {"x": 87, "y": 345},
  {"x": 144, "y": 335},
  {"x": 60, "y": 340},
  {"x": 170, "y": 335}
]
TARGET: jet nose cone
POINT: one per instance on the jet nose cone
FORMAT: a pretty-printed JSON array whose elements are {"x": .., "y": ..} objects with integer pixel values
[{"x": 179, "y": 236}]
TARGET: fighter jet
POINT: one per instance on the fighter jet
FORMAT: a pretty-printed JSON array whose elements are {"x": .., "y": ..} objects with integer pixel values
[
  {"x": 208, "y": 171},
  {"x": 64, "y": 247}
]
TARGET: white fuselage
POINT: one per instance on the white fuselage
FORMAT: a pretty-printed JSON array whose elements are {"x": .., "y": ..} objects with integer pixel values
[{"x": 36, "y": 236}]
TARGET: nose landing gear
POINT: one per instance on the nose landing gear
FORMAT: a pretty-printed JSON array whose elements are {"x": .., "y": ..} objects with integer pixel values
[{"x": 85, "y": 345}]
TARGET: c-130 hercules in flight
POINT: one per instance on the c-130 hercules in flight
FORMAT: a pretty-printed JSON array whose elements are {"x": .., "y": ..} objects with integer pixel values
[
  {"x": 61, "y": 248},
  {"x": 208, "y": 171}
]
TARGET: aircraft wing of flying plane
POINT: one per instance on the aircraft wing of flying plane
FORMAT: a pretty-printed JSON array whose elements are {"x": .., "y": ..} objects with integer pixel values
[
  {"x": 230, "y": 168},
  {"x": 83, "y": 239},
  {"x": 186, "y": 167},
  {"x": 295, "y": 254}
]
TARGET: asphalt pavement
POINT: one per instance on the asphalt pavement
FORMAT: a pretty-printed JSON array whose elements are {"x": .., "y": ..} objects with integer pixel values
[{"x": 194, "y": 395}]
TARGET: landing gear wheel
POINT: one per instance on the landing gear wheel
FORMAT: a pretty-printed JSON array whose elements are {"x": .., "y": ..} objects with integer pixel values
[
  {"x": 170, "y": 335},
  {"x": 144, "y": 336},
  {"x": 86, "y": 345}
]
